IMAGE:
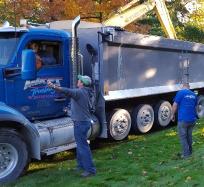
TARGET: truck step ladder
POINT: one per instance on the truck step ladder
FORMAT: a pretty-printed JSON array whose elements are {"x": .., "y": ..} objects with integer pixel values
[{"x": 58, "y": 149}]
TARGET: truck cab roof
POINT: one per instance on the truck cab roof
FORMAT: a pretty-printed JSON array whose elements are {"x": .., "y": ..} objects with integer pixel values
[
  {"x": 13, "y": 29},
  {"x": 34, "y": 30}
]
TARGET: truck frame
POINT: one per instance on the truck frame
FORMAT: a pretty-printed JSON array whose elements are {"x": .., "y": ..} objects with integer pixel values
[{"x": 135, "y": 78}]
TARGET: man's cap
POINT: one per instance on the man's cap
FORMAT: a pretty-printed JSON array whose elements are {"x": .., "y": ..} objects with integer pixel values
[{"x": 86, "y": 80}]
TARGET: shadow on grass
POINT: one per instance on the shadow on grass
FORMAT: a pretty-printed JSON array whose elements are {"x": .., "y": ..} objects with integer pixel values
[{"x": 100, "y": 143}]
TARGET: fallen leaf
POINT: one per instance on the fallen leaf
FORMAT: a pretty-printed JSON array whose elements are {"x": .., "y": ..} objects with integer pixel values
[
  {"x": 144, "y": 172},
  {"x": 188, "y": 179}
]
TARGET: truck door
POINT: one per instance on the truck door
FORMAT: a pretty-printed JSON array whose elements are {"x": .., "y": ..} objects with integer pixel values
[{"x": 33, "y": 98}]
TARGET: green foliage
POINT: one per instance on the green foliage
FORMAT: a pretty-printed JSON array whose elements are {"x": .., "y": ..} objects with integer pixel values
[
  {"x": 192, "y": 30},
  {"x": 7, "y": 12},
  {"x": 193, "y": 33},
  {"x": 156, "y": 28},
  {"x": 143, "y": 160}
]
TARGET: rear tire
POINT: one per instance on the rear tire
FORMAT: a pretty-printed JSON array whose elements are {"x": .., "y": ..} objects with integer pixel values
[
  {"x": 200, "y": 106},
  {"x": 162, "y": 113},
  {"x": 119, "y": 124},
  {"x": 143, "y": 118},
  {"x": 13, "y": 156}
]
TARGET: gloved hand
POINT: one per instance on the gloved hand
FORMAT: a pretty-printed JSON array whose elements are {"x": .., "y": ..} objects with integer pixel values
[{"x": 51, "y": 85}]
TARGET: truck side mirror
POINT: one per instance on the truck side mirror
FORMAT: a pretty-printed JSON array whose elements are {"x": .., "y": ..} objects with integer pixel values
[{"x": 28, "y": 69}]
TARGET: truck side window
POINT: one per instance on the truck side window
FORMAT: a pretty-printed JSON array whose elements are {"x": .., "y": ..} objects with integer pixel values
[{"x": 48, "y": 51}]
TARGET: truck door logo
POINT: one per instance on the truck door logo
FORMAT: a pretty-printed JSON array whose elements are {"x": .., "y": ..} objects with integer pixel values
[{"x": 38, "y": 88}]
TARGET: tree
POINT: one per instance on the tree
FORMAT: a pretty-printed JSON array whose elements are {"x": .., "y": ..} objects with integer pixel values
[
  {"x": 34, "y": 10},
  {"x": 91, "y": 10},
  {"x": 43, "y": 11},
  {"x": 189, "y": 19}
]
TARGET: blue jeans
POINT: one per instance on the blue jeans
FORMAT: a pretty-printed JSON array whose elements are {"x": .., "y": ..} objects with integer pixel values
[
  {"x": 185, "y": 130},
  {"x": 84, "y": 156}
]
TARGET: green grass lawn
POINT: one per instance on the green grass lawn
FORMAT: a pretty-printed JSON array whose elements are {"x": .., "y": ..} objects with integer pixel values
[{"x": 142, "y": 160}]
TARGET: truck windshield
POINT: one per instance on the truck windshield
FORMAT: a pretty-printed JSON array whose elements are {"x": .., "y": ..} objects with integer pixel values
[{"x": 8, "y": 43}]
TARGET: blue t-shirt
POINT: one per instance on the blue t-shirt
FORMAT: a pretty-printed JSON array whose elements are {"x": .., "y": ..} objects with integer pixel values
[{"x": 187, "y": 101}]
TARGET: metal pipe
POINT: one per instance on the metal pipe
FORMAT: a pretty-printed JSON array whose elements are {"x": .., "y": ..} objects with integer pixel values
[
  {"x": 75, "y": 24},
  {"x": 74, "y": 52}
]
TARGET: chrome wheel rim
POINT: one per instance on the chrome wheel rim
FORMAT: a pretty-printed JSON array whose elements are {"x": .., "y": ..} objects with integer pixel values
[
  {"x": 120, "y": 124},
  {"x": 8, "y": 159},
  {"x": 200, "y": 108},
  {"x": 165, "y": 113},
  {"x": 145, "y": 119}
]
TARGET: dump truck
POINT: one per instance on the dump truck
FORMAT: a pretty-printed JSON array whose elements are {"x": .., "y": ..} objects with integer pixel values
[{"x": 135, "y": 78}]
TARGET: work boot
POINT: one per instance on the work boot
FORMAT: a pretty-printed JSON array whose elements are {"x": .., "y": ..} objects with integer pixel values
[
  {"x": 87, "y": 174},
  {"x": 186, "y": 156}
]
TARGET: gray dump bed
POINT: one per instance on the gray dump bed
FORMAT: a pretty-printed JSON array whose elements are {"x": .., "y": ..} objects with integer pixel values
[
  {"x": 138, "y": 65},
  {"x": 134, "y": 65}
]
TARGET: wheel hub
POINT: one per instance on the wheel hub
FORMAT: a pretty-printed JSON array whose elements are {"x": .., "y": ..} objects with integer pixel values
[
  {"x": 200, "y": 107},
  {"x": 146, "y": 118},
  {"x": 120, "y": 125},
  {"x": 1, "y": 158},
  {"x": 165, "y": 113},
  {"x": 8, "y": 159}
]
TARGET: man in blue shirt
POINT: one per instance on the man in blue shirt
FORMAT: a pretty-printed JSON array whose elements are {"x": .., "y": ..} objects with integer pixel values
[{"x": 185, "y": 102}]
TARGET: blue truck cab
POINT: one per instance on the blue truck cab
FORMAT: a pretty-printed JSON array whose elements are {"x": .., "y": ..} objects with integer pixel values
[
  {"x": 23, "y": 102},
  {"x": 33, "y": 98}
]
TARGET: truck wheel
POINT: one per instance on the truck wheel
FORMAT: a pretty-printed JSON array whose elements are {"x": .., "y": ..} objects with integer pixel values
[
  {"x": 143, "y": 118},
  {"x": 200, "y": 107},
  {"x": 162, "y": 113},
  {"x": 119, "y": 124},
  {"x": 13, "y": 156}
]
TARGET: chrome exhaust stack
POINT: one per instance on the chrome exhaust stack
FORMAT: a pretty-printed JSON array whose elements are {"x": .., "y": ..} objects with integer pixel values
[{"x": 75, "y": 51}]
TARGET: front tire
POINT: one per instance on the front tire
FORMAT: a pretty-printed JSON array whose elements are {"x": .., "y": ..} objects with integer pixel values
[{"x": 13, "y": 156}]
